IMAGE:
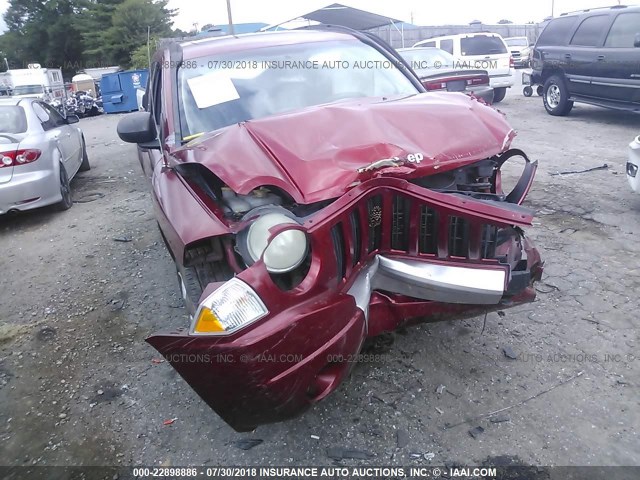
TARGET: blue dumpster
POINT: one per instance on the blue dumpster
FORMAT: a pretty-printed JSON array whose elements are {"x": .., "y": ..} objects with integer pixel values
[{"x": 119, "y": 90}]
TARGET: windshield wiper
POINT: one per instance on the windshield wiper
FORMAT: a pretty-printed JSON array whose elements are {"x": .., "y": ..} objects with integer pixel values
[{"x": 188, "y": 138}]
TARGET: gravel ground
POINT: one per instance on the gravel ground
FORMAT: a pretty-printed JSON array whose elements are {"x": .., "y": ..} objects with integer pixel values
[{"x": 79, "y": 386}]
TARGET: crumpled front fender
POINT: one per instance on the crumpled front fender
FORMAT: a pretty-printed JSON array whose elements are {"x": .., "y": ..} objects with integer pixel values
[{"x": 275, "y": 371}]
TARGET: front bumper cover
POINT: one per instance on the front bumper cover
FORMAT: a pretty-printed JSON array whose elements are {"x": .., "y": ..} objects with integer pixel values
[
  {"x": 301, "y": 351},
  {"x": 280, "y": 368}
]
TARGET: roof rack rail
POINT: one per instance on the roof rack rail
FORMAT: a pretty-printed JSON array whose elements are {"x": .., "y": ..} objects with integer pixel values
[{"x": 612, "y": 7}]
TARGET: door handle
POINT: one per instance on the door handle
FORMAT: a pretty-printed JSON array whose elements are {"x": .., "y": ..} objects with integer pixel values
[
  {"x": 567, "y": 55},
  {"x": 601, "y": 58}
]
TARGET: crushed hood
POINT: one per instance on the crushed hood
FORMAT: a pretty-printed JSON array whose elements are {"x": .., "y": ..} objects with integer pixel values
[{"x": 314, "y": 154}]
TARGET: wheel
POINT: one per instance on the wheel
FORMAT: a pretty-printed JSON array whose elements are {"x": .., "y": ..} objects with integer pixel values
[
  {"x": 540, "y": 90},
  {"x": 194, "y": 278},
  {"x": 84, "y": 166},
  {"x": 499, "y": 94},
  {"x": 65, "y": 190},
  {"x": 556, "y": 96},
  {"x": 527, "y": 91},
  {"x": 189, "y": 287}
]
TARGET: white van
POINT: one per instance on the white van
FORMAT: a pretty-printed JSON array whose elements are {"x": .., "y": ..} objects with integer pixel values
[{"x": 483, "y": 51}]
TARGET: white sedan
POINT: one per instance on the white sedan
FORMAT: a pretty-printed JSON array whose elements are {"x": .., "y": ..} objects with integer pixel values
[
  {"x": 40, "y": 152},
  {"x": 633, "y": 165}
]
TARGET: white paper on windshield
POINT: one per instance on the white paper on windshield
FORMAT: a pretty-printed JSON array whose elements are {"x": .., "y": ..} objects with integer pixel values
[{"x": 212, "y": 89}]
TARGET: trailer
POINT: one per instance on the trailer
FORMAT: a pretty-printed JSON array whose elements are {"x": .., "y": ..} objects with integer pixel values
[{"x": 44, "y": 83}]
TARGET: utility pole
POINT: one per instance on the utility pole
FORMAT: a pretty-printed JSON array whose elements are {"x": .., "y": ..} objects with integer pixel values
[
  {"x": 553, "y": 4},
  {"x": 231, "y": 32}
]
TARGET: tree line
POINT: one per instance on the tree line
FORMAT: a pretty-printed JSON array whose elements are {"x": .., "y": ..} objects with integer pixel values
[{"x": 78, "y": 34}]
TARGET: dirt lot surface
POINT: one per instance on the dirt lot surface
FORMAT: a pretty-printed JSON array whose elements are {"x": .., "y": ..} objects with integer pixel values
[{"x": 81, "y": 290}]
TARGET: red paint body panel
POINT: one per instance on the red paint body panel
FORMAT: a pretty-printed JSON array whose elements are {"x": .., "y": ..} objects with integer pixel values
[
  {"x": 183, "y": 219},
  {"x": 299, "y": 353},
  {"x": 314, "y": 154},
  {"x": 276, "y": 367},
  {"x": 252, "y": 42},
  {"x": 265, "y": 376}
]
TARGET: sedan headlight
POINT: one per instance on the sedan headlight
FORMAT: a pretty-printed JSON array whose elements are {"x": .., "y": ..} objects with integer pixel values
[
  {"x": 231, "y": 307},
  {"x": 285, "y": 252}
]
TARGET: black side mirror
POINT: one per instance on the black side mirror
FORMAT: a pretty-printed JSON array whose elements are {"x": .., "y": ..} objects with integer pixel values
[
  {"x": 137, "y": 127},
  {"x": 71, "y": 119},
  {"x": 636, "y": 40}
]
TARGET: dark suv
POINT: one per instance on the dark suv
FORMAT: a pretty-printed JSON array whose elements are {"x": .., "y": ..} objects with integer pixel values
[{"x": 592, "y": 56}]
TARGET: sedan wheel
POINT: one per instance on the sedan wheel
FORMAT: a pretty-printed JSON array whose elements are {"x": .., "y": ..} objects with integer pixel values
[{"x": 65, "y": 191}]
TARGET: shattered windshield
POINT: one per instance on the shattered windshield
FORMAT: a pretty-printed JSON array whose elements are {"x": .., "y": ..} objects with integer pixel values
[{"x": 223, "y": 90}]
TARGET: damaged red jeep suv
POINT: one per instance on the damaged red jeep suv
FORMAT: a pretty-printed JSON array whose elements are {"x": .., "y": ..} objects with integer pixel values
[{"x": 313, "y": 195}]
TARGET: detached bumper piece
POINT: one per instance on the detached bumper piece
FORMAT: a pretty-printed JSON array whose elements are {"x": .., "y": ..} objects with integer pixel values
[{"x": 385, "y": 252}]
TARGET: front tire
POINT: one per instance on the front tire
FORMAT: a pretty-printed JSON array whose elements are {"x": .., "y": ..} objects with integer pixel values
[
  {"x": 198, "y": 272},
  {"x": 65, "y": 191},
  {"x": 556, "y": 96},
  {"x": 527, "y": 91},
  {"x": 499, "y": 94}
]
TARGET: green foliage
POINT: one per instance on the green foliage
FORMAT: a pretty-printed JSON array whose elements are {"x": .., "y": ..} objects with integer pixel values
[
  {"x": 77, "y": 34},
  {"x": 94, "y": 20},
  {"x": 132, "y": 21},
  {"x": 140, "y": 56}
]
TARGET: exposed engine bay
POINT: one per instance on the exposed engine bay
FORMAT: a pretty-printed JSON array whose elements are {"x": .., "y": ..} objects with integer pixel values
[{"x": 251, "y": 216}]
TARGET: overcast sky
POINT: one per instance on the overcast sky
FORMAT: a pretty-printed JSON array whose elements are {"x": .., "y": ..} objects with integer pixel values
[{"x": 424, "y": 12}]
